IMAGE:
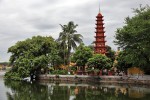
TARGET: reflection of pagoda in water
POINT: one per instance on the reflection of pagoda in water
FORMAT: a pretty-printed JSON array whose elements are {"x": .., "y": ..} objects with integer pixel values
[{"x": 100, "y": 47}]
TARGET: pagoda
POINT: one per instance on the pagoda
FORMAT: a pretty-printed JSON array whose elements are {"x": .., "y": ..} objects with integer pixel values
[{"x": 100, "y": 47}]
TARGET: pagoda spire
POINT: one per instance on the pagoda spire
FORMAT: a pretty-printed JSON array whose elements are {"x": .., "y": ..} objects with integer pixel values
[
  {"x": 99, "y": 8},
  {"x": 100, "y": 47}
]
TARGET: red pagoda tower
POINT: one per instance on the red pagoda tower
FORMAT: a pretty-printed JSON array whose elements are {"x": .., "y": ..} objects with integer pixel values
[{"x": 100, "y": 47}]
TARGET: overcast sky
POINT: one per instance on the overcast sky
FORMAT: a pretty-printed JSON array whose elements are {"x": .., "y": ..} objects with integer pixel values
[{"x": 22, "y": 19}]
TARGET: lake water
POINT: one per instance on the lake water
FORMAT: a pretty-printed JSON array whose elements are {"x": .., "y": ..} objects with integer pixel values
[{"x": 15, "y": 90}]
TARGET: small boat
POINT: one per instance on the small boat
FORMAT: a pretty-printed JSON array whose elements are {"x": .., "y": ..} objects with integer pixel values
[{"x": 28, "y": 79}]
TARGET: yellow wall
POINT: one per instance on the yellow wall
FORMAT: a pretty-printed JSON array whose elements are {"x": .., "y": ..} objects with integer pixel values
[{"x": 135, "y": 70}]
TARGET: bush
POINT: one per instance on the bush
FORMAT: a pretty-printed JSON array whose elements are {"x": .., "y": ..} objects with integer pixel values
[
  {"x": 12, "y": 75},
  {"x": 99, "y": 61},
  {"x": 60, "y": 72}
]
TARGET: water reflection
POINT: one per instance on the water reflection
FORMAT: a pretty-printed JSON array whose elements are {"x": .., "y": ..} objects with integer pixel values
[{"x": 49, "y": 91}]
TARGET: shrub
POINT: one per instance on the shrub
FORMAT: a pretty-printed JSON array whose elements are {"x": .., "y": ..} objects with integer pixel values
[
  {"x": 12, "y": 75},
  {"x": 59, "y": 72}
]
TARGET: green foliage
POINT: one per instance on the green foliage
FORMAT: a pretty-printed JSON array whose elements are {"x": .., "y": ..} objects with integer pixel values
[
  {"x": 91, "y": 47},
  {"x": 12, "y": 75},
  {"x": 73, "y": 68},
  {"x": 99, "y": 61},
  {"x": 122, "y": 63},
  {"x": 32, "y": 55},
  {"x": 55, "y": 58},
  {"x": 82, "y": 54},
  {"x": 60, "y": 72},
  {"x": 134, "y": 37},
  {"x": 110, "y": 53},
  {"x": 68, "y": 39}
]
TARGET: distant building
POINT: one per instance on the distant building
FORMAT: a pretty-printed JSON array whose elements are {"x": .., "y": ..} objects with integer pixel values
[{"x": 3, "y": 65}]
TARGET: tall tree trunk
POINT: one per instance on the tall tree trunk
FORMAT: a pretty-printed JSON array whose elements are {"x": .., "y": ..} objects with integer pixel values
[
  {"x": 64, "y": 55},
  {"x": 68, "y": 58}
]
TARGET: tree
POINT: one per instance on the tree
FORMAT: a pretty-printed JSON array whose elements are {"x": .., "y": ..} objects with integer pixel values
[
  {"x": 110, "y": 53},
  {"x": 81, "y": 55},
  {"x": 134, "y": 38},
  {"x": 99, "y": 61},
  {"x": 122, "y": 64},
  {"x": 31, "y": 55},
  {"x": 91, "y": 47},
  {"x": 68, "y": 38}
]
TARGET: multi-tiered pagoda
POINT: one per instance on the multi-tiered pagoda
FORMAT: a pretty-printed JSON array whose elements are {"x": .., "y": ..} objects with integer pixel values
[{"x": 100, "y": 47}]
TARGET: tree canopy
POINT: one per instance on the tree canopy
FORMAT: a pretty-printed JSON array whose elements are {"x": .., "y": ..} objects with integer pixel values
[
  {"x": 110, "y": 53},
  {"x": 82, "y": 54},
  {"x": 68, "y": 39},
  {"x": 99, "y": 61},
  {"x": 122, "y": 64},
  {"x": 31, "y": 55},
  {"x": 134, "y": 37}
]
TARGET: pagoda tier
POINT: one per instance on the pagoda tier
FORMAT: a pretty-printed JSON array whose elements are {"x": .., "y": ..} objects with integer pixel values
[
  {"x": 99, "y": 41},
  {"x": 99, "y": 27},
  {"x": 99, "y": 36},
  {"x": 100, "y": 47},
  {"x": 100, "y": 31}
]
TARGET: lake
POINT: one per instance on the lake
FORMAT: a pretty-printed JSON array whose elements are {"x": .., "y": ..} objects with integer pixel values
[{"x": 15, "y": 90}]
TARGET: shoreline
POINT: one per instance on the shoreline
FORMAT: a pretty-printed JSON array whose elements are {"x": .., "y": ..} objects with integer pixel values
[{"x": 141, "y": 80}]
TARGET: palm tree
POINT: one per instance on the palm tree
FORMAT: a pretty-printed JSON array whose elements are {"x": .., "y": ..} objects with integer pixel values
[{"x": 68, "y": 39}]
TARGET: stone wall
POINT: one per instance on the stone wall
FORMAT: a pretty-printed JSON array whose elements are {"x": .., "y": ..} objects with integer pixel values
[
  {"x": 70, "y": 78},
  {"x": 89, "y": 79}
]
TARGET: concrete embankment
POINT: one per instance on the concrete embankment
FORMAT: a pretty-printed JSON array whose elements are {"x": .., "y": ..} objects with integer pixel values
[{"x": 99, "y": 79}]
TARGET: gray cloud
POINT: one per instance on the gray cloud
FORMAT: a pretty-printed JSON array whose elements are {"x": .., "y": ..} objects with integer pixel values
[
  {"x": 21, "y": 19},
  {"x": 43, "y": 23}
]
